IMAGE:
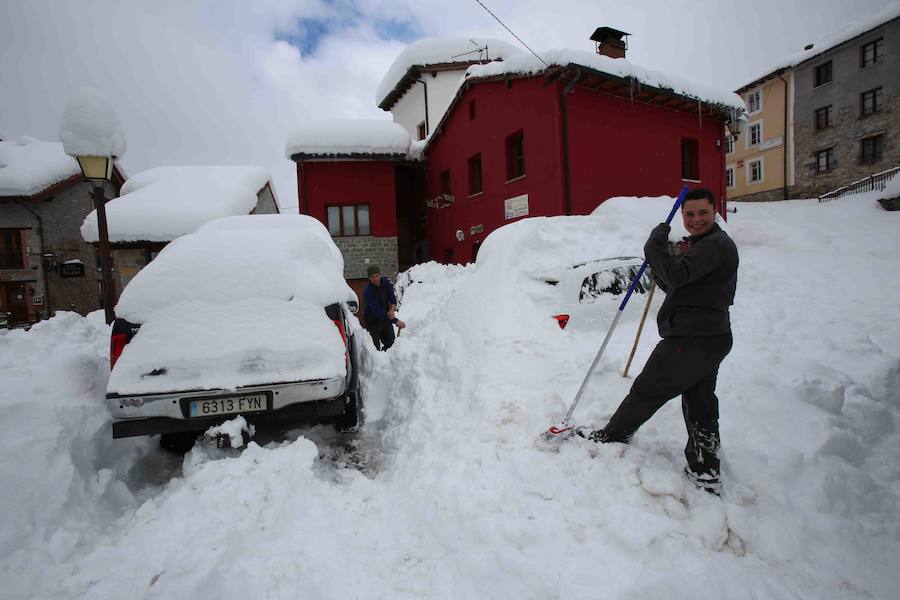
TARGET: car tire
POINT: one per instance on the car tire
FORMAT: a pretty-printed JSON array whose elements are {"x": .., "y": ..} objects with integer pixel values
[
  {"x": 352, "y": 419},
  {"x": 179, "y": 442}
]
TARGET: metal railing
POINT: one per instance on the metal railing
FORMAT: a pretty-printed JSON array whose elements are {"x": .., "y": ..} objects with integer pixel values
[{"x": 875, "y": 181}]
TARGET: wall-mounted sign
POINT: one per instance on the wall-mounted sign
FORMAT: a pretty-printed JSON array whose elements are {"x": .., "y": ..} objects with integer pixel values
[
  {"x": 515, "y": 207},
  {"x": 37, "y": 300},
  {"x": 773, "y": 143},
  {"x": 440, "y": 201},
  {"x": 476, "y": 229},
  {"x": 740, "y": 164},
  {"x": 71, "y": 269}
]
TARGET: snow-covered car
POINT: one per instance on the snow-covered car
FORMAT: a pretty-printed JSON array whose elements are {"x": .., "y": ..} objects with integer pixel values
[
  {"x": 588, "y": 294},
  {"x": 246, "y": 316}
]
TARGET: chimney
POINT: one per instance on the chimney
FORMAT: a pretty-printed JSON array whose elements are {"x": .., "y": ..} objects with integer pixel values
[{"x": 610, "y": 42}]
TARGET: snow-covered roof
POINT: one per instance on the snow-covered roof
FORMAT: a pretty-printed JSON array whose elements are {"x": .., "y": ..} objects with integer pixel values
[
  {"x": 528, "y": 64},
  {"x": 348, "y": 137},
  {"x": 28, "y": 166},
  {"x": 160, "y": 204},
  {"x": 441, "y": 51},
  {"x": 90, "y": 126},
  {"x": 233, "y": 259},
  {"x": 844, "y": 34}
]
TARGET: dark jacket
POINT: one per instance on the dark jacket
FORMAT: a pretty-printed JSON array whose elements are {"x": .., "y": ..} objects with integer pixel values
[
  {"x": 699, "y": 284},
  {"x": 377, "y": 300}
]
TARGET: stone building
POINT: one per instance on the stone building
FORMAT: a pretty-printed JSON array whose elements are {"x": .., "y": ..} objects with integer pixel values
[{"x": 45, "y": 265}]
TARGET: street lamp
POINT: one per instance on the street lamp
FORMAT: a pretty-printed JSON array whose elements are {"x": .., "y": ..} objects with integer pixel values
[{"x": 90, "y": 131}]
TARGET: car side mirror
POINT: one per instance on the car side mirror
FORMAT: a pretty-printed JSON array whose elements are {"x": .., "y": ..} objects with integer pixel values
[{"x": 354, "y": 306}]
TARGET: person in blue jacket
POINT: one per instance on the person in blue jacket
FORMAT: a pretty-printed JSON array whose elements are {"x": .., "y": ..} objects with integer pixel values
[{"x": 381, "y": 303}]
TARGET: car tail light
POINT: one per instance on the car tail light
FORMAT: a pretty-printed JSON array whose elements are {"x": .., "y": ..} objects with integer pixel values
[
  {"x": 563, "y": 320},
  {"x": 340, "y": 327},
  {"x": 116, "y": 345}
]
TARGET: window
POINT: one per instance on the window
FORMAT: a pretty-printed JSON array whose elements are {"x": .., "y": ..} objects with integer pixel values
[
  {"x": 614, "y": 282},
  {"x": 823, "y": 74},
  {"x": 870, "y": 148},
  {"x": 823, "y": 118},
  {"x": 11, "y": 255},
  {"x": 515, "y": 156},
  {"x": 871, "y": 53},
  {"x": 755, "y": 136},
  {"x": 471, "y": 110},
  {"x": 422, "y": 130},
  {"x": 690, "y": 159},
  {"x": 729, "y": 177},
  {"x": 754, "y": 101},
  {"x": 824, "y": 160},
  {"x": 475, "y": 175},
  {"x": 349, "y": 220},
  {"x": 755, "y": 171},
  {"x": 870, "y": 102},
  {"x": 445, "y": 183},
  {"x": 729, "y": 143}
]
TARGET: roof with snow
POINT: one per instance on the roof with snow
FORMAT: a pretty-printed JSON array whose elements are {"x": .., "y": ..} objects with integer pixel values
[
  {"x": 437, "y": 54},
  {"x": 29, "y": 166},
  {"x": 842, "y": 35},
  {"x": 356, "y": 138},
  {"x": 161, "y": 204}
]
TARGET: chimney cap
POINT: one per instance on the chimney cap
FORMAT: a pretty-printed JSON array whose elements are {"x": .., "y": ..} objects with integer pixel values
[{"x": 603, "y": 34}]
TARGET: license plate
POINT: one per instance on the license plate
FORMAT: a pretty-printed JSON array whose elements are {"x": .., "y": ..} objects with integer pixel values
[{"x": 210, "y": 407}]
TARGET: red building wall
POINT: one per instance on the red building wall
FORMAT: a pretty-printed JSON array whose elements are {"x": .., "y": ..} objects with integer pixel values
[
  {"x": 616, "y": 148},
  {"x": 351, "y": 182},
  {"x": 500, "y": 111}
]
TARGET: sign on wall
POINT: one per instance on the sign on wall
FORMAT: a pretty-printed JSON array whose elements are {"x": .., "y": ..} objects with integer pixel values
[
  {"x": 516, "y": 207},
  {"x": 71, "y": 269},
  {"x": 37, "y": 300},
  {"x": 773, "y": 143}
]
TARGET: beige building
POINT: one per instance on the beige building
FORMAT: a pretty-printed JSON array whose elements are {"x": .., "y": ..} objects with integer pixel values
[{"x": 760, "y": 166}]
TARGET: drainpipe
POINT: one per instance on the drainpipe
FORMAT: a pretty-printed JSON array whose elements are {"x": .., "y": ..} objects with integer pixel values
[
  {"x": 785, "y": 152},
  {"x": 427, "y": 126},
  {"x": 565, "y": 139},
  {"x": 43, "y": 266}
]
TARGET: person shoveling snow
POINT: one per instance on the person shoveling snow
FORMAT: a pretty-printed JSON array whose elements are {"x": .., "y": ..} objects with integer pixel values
[{"x": 696, "y": 330}]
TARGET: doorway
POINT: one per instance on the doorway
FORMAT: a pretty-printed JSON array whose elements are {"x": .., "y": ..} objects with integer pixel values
[{"x": 12, "y": 301}]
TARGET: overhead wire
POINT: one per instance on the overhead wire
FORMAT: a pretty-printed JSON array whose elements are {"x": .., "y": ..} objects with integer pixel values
[{"x": 511, "y": 32}]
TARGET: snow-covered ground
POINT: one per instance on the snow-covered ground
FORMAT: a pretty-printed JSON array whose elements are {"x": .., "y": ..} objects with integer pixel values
[{"x": 443, "y": 494}]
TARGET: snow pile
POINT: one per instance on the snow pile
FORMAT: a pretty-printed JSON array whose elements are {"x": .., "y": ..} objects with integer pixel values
[
  {"x": 233, "y": 430},
  {"x": 338, "y": 137},
  {"x": 63, "y": 478},
  {"x": 90, "y": 126},
  {"x": 463, "y": 505},
  {"x": 160, "y": 204},
  {"x": 28, "y": 166},
  {"x": 528, "y": 64},
  {"x": 442, "y": 50}
]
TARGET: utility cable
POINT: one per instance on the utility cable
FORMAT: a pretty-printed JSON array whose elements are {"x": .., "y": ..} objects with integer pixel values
[{"x": 511, "y": 31}]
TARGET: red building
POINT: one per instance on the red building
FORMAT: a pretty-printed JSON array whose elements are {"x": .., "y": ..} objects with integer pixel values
[{"x": 526, "y": 137}]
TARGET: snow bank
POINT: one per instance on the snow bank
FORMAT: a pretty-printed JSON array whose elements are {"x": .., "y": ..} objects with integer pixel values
[
  {"x": 528, "y": 64},
  {"x": 441, "y": 50},
  {"x": 349, "y": 136},
  {"x": 28, "y": 166},
  {"x": 90, "y": 126},
  {"x": 163, "y": 203}
]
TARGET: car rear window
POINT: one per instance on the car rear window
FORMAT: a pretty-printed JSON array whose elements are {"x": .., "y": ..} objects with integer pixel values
[{"x": 612, "y": 282}]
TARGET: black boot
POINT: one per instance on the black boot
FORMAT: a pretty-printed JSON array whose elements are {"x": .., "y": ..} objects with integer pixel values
[{"x": 603, "y": 436}]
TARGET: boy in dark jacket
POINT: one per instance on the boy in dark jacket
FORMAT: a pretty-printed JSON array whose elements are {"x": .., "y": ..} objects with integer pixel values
[
  {"x": 381, "y": 302},
  {"x": 694, "y": 324}
]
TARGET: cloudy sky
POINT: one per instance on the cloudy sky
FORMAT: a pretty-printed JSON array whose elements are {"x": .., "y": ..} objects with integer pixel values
[{"x": 224, "y": 82}]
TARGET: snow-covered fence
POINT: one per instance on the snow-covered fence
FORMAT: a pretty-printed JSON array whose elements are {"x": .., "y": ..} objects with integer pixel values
[{"x": 875, "y": 181}]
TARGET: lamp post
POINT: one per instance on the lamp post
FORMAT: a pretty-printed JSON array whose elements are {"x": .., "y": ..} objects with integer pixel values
[
  {"x": 98, "y": 170},
  {"x": 90, "y": 131}
]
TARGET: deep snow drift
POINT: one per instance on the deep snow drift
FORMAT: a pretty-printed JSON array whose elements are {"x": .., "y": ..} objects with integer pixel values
[{"x": 459, "y": 503}]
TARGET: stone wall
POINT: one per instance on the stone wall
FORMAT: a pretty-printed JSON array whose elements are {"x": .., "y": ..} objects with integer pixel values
[
  {"x": 362, "y": 251},
  {"x": 766, "y": 196},
  {"x": 60, "y": 223},
  {"x": 843, "y": 94}
]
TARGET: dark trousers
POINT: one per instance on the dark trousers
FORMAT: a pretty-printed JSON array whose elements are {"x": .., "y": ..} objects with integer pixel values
[
  {"x": 382, "y": 334},
  {"x": 687, "y": 366}
]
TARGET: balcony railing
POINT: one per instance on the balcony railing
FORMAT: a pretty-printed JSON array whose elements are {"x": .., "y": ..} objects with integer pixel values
[{"x": 874, "y": 182}]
